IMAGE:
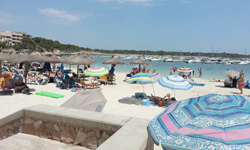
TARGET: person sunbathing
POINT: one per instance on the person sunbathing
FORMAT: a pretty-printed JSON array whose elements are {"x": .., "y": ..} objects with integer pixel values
[
  {"x": 47, "y": 73},
  {"x": 162, "y": 99},
  {"x": 30, "y": 77}
]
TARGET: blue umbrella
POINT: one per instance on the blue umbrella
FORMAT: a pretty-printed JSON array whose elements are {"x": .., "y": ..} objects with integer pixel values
[
  {"x": 141, "y": 78},
  {"x": 207, "y": 122},
  {"x": 175, "y": 82}
]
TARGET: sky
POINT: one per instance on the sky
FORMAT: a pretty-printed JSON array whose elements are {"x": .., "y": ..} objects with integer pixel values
[{"x": 168, "y": 25}]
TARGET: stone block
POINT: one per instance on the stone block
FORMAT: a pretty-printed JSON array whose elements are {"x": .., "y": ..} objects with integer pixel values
[
  {"x": 28, "y": 120},
  {"x": 66, "y": 137},
  {"x": 28, "y": 129},
  {"x": 91, "y": 133},
  {"x": 10, "y": 126},
  {"x": 48, "y": 130},
  {"x": 101, "y": 140},
  {"x": 105, "y": 135},
  {"x": 10, "y": 132},
  {"x": 20, "y": 129},
  {"x": 98, "y": 134},
  {"x": 17, "y": 124},
  {"x": 57, "y": 136},
  {"x": 80, "y": 137},
  {"x": 56, "y": 127},
  {"x": 38, "y": 124},
  {"x": 4, "y": 132},
  {"x": 90, "y": 142}
]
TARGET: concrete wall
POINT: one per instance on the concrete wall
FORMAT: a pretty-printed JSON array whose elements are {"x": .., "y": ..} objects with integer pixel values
[{"x": 127, "y": 133}]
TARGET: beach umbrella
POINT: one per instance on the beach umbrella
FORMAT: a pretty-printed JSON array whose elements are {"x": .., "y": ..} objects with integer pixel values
[
  {"x": 3, "y": 57},
  {"x": 95, "y": 71},
  {"x": 113, "y": 60},
  {"x": 141, "y": 78},
  {"x": 231, "y": 73},
  {"x": 139, "y": 62},
  {"x": 175, "y": 82},
  {"x": 156, "y": 76},
  {"x": 91, "y": 60},
  {"x": 78, "y": 60},
  {"x": 207, "y": 122},
  {"x": 184, "y": 69},
  {"x": 52, "y": 58},
  {"x": 93, "y": 100},
  {"x": 67, "y": 61},
  {"x": 23, "y": 58}
]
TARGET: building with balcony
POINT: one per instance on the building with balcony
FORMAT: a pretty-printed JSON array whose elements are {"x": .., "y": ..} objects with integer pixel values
[{"x": 12, "y": 37}]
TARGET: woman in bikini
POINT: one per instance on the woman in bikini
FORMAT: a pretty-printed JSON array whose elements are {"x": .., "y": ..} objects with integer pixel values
[{"x": 241, "y": 83}]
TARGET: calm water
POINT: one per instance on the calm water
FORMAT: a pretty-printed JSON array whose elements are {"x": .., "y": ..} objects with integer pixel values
[{"x": 210, "y": 71}]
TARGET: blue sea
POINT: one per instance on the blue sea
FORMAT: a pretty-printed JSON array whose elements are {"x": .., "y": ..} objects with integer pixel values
[{"x": 210, "y": 71}]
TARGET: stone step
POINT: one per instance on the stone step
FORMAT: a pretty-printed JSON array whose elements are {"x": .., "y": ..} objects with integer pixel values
[{"x": 30, "y": 142}]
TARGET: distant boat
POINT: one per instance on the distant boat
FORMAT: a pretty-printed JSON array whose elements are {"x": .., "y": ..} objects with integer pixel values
[
  {"x": 243, "y": 63},
  {"x": 155, "y": 59},
  {"x": 227, "y": 63}
]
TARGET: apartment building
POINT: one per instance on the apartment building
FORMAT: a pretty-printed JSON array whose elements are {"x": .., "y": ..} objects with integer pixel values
[{"x": 11, "y": 37}]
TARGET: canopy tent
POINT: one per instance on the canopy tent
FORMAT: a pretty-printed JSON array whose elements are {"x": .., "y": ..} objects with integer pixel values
[{"x": 92, "y": 100}]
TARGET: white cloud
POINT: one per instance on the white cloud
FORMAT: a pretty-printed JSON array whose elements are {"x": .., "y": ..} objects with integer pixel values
[
  {"x": 62, "y": 15},
  {"x": 6, "y": 18}
]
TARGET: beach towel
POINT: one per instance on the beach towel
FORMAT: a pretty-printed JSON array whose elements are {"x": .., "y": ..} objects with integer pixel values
[
  {"x": 53, "y": 95},
  {"x": 196, "y": 84}
]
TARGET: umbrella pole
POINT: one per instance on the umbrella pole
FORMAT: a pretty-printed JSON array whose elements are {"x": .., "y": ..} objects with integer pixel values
[
  {"x": 25, "y": 73},
  {"x": 77, "y": 70},
  {"x": 153, "y": 88},
  {"x": 0, "y": 68},
  {"x": 143, "y": 88}
]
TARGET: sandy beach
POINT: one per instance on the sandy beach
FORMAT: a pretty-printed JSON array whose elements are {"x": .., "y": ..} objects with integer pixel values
[{"x": 114, "y": 95}]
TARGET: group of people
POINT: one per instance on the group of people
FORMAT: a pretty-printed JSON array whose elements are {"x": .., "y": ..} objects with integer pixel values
[
  {"x": 140, "y": 69},
  {"x": 8, "y": 82}
]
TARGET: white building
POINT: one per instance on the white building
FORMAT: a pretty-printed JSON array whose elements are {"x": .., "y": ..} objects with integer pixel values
[{"x": 11, "y": 37}]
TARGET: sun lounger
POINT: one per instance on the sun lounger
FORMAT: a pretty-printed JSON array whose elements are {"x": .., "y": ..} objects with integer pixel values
[{"x": 89, "y": 85}]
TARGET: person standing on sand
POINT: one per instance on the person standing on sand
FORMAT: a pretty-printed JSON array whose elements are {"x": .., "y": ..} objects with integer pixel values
[
  {"x": 200, "y": 70},
  {"x": 243, "y": 73},
  {"x": 241, "y": 83}
]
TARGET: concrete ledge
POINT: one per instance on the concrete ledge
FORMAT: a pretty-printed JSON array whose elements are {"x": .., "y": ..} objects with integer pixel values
[
  {"x": 132, "y": 136},
  {"x": 17, "y": 115},
  {"x": 77, "y": 117},
  {"x": 129, "y": 133}
]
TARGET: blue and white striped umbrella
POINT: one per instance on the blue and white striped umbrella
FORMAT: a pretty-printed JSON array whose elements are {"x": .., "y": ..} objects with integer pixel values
[
  {"x": 175, "y": 82},
  {"x": 141, "y": 78},
  {"x": 155, "y": 76}
]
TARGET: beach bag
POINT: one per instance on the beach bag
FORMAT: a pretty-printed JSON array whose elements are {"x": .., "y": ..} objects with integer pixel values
[{"x": 26, "y": 90}]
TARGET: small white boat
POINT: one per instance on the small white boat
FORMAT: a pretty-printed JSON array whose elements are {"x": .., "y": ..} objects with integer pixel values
[{"x": 227, "y": 63}]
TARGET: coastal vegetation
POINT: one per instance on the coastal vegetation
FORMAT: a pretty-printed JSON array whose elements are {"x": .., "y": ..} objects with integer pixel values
[{"x": 39, "y": 44}]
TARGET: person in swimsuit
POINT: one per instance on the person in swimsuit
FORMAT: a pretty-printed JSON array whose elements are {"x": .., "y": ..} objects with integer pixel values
[{"x": 241, "y": 83}]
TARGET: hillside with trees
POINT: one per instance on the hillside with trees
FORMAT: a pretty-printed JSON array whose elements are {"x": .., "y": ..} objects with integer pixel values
[{"x": 38, "y": 44}]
